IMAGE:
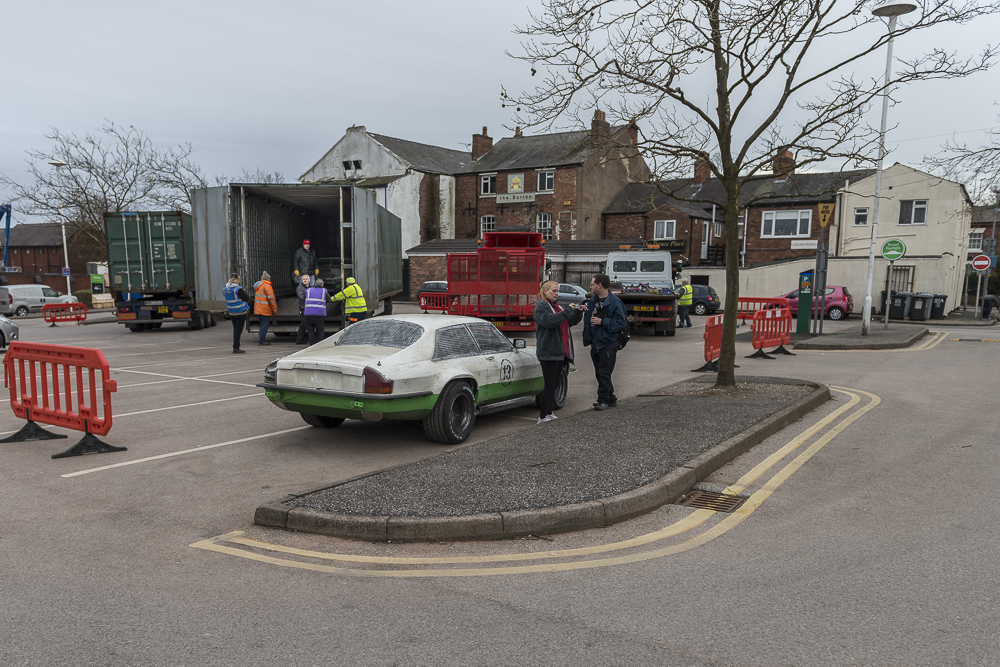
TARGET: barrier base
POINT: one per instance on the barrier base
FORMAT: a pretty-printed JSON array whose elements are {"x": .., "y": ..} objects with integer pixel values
[
  {"x": 781, "y": 350},
  {"x": 759, "y": 354},
  {"x": 710, "y": 367},
  {"x": 53, "y": 325},
  {"x": 89, "y": 444},
  {"x": 32, "y": 431}
]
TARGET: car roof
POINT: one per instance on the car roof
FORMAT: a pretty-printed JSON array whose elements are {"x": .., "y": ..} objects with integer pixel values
[{"x": 430, "y": 322}]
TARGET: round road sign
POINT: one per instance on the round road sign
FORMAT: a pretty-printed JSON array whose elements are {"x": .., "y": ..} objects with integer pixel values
[
  {"x": 981, "y": 263},
  {"x": 893, "y": 249}
]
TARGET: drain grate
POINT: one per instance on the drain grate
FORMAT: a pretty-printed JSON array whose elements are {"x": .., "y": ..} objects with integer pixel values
[{"x": 709, "y": 500}]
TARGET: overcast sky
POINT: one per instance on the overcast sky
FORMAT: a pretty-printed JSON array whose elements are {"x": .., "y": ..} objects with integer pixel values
[{"x": 274, "y": 85}]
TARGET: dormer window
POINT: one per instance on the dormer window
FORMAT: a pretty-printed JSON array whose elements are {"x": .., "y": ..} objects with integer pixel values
[
  {"x": 347, "y": 165},
  {"x": 357, "y": 164}
]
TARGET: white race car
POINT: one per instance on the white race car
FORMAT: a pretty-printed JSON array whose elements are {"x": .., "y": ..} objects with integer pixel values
[{"x": 443, "y": 370}]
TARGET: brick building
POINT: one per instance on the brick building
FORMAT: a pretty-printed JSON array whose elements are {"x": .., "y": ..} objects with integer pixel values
[
  {"x": 557, "y": 184},
  {"x": 780, "y": 221},
  {"x": 35, "y": 256}
]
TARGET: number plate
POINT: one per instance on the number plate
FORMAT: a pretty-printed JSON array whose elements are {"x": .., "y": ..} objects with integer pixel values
[
  {"x": 498, "y": 324},
  {"x": 644, "y": 309},
  {"x": 162, "y": 309}
]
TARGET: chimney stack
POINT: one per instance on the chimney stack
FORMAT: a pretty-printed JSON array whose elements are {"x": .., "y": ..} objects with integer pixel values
[
  {"x": 481, "y": 144},
  {"x": 517, "y": 131},
  {"x": 599, "y": 129},
  {"x": 784, "y": 164},
  {"x": 702, "y": 169}
]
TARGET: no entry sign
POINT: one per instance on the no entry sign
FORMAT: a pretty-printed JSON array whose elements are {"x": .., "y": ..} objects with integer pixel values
[{"x": 981, "y": 263}]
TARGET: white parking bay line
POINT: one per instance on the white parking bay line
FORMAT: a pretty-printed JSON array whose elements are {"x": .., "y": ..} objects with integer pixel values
[
  {"x": 189, "y": 405},
  {"x": 184, "y": 451}
]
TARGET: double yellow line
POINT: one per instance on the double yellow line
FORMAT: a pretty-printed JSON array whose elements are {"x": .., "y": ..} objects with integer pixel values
[{"x": 394, "y": 565}]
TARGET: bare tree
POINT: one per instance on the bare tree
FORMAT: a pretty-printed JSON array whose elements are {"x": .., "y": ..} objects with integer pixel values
[
  {"x": 733, "y": 79},
  {"x": 979, "y": 166}
]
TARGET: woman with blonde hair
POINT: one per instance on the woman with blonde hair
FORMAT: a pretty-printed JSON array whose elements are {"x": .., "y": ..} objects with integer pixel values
[{"x": 553, "y": 342}]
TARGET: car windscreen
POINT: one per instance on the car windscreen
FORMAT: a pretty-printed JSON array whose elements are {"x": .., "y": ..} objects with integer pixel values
[{"x": 382, "y": 333}]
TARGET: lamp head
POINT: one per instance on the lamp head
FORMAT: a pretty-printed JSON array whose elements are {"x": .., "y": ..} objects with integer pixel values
[
  {"x": 56, "y": 162},
  {"x": 894, "y": 9}
]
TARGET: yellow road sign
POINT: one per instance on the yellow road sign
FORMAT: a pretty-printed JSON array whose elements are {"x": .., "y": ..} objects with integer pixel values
[{"x": 825, "y": 211}]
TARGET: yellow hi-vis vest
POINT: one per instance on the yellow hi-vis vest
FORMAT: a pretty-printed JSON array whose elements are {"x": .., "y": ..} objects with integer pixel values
[
  {"x": 353, "y": 298},
  {"x": 687, "y": 295}
]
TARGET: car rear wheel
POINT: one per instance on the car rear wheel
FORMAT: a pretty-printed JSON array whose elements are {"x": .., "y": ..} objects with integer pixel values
[
  {"x": 836, "y": 313},
  {"x": 700, "y": 309},
  {"x": 319, "y": 421},
  {"x": 453, "y": 416}
]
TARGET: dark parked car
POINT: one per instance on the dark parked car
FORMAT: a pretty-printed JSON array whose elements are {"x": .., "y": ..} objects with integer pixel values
[
  {"x": 705, "y": 300},
  {"x": 432, "y": 287}
]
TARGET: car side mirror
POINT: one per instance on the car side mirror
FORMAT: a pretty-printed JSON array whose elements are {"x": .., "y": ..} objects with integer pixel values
[{"x": 520, "y": 343}]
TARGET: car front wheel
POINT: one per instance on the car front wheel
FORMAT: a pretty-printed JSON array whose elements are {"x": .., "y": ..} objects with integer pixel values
[
  {"x": 21, "y": 311},
  {"x": 836, "y": 313},
  {"x": 453, "y": 416},
  {"x": 700, "y": 309}
]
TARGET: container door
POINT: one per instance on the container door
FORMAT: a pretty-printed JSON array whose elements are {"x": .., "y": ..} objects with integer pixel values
[
  {"x": 364, "y": 244},
  {"x": 126, "y": 262},
  {"x": 212, "y": 253}
]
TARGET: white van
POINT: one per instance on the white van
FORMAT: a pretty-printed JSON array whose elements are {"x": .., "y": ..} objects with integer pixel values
[
  {"x": 20, "y": 300},
  {"x": 649, "y": 267}
]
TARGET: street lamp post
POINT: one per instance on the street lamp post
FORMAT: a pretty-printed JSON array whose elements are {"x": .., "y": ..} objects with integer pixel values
[
  {"x": 57, "y": 163},
  {"x": 892, "y": 11}
]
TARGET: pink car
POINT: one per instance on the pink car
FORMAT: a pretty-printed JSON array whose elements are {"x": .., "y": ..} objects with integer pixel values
[{"x": 839, "y": 302}]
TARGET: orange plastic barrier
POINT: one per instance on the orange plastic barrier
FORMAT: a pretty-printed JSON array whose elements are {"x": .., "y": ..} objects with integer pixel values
[
  {"x": 749, "y": 305},
  {"x": 63, "y": 386},
  {"x": 771, "y": 328},
  {"x": 64, "y": 312},
  {"x": 433, "y": 301},
  {"x": 713, "y": 344}
]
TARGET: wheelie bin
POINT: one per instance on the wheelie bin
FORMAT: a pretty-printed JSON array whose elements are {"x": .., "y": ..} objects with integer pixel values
[
  {"x": 920, "y": 306},
  {"x": 882, "y": 309},
  {"x": 938, "y": 306},
  {"x": 899, "y": 306}
]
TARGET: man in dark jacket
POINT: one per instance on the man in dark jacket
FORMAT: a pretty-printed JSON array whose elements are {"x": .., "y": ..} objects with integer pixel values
[
  {"x": 304, "y": 262},
  {"x": 604, "y": 319}
]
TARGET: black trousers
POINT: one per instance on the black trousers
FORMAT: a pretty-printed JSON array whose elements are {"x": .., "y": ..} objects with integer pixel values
[
  {"x": 315, "y": 328},
  {"x": 239, "y": 323},
  {"x": 604, "y": 365},
  {"x": 547, "y": 399}
]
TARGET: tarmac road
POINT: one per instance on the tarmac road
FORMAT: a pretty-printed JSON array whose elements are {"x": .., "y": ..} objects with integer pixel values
[{"x": 877, "y": 548}]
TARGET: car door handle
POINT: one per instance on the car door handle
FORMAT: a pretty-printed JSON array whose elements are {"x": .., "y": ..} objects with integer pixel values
[{"x": 489, "y": 358}]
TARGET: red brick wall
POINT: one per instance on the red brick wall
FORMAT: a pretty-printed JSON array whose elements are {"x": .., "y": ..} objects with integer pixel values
[
  {"x": 640, "y": 226},
  {"x": 423, "y": 268},
  {"x": 762, "y": 250}
]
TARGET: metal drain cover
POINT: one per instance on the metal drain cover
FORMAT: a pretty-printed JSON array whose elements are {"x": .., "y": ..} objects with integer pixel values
[{"x": 709, "y": 500}]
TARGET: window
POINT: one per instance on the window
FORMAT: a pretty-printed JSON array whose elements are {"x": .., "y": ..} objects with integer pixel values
[
  {"x": 488, "y": 185},
  {"x": 347, "y": 165},
  {"x": 15, "y": 251},
  {"x": 623, "y": 267},
  {"x": 976, "y": 240},
  {"x": 543, "y": 225},
  {"x": 739, "y": 227},
  {"x": 718, "y": 230},
  {"x": 382, "y": 332},
  {"x": 546, "y": 181},
  {"x": 487, "y": 223},
  {"x": 41, "y": 251},
  {"x": 48, "y": 291},
  {"x": 357, "y": 164},
  {"x": 664, "y": 229},
  {"x": 779, "y": 224},
  {"x": 651, "y": 267},
  {"x": 913, "y": 212},
  {"x": 489, "y": 339},
  {"x": 54, "y": 251},
  {"x": 454, "y": 342},
  {"x": 861, "y": 216}
]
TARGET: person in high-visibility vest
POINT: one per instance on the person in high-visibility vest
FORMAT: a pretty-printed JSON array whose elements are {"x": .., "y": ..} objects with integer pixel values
[
  {"x": 314, "y": 312},
  {"x": 265, "y": 306},
  {"x": 354, "y": 301},
  {"x": 237, "y": 305},
  {"x": 684, "y": 304}
]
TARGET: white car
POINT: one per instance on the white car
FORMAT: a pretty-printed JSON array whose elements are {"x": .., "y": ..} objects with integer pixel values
[{"x": 442, "y": 370}]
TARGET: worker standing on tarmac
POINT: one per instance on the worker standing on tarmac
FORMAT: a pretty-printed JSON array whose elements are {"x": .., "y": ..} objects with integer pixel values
[
  {"x": 315, "y": 311},
  {"x": 684, "y": 304},
  {"x": 304, "y": 262},
  {"x": 237, "y": 305},
  {"x": 354, "y": 301},
  {"x": 265, "y": 306}
]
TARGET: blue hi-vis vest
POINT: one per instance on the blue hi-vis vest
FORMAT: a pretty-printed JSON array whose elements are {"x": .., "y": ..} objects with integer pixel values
[
  {"x": 316, "y": 301},
  {"x": 234, "y": 304}
]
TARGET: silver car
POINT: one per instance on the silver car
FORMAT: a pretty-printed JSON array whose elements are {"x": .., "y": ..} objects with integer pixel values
[
  {"x": 8, "y": 331},
  {"x": 570, "y": 294}
]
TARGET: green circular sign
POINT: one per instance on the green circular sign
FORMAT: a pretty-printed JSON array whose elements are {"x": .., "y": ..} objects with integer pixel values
[{"x": 893, "y": 249}]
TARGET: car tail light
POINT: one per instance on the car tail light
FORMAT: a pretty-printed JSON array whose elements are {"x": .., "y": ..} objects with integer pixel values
[{"x": 374, "y": 382}]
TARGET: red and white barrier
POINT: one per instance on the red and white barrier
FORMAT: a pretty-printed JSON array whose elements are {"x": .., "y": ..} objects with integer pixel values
[
  {"x": 771, "y": 328},
  {"x": 64, "y": 312},
  {"x": 713, "y": 344}
]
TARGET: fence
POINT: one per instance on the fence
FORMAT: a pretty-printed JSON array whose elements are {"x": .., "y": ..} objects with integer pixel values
[
  {"x": 434, "y": 302},
  {"x": 713, "y": 344},
  {"x": 60, "y": 385},
  {"x": 748, "y": 305},
  {"x": 64, "y": 312},
  {"x": 771, "y": 328}
]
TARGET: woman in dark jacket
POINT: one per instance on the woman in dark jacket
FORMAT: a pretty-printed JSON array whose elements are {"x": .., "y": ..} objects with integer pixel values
[{"x": 553, "y": 342}]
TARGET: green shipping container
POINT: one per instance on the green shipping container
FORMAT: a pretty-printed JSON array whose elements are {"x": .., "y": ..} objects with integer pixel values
[{"x": 151, "y": 251}]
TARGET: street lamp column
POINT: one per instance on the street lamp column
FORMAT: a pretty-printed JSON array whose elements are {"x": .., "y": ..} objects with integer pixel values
[
  {"x": 57, "y": 163},
  {"x": 892, "y": 11}
]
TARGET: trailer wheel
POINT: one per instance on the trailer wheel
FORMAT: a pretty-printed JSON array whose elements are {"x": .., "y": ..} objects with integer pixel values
[
  {"x": 671, "y": 332},
  {"x": 135, "y": 328},
  {"x": 196, "y": 320},
  {"x": 319, "y": 421},
  {"x": 453, "y": 416},
  {"x": 387, "y": 307},
  {"x": 211, "y": 319}
]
